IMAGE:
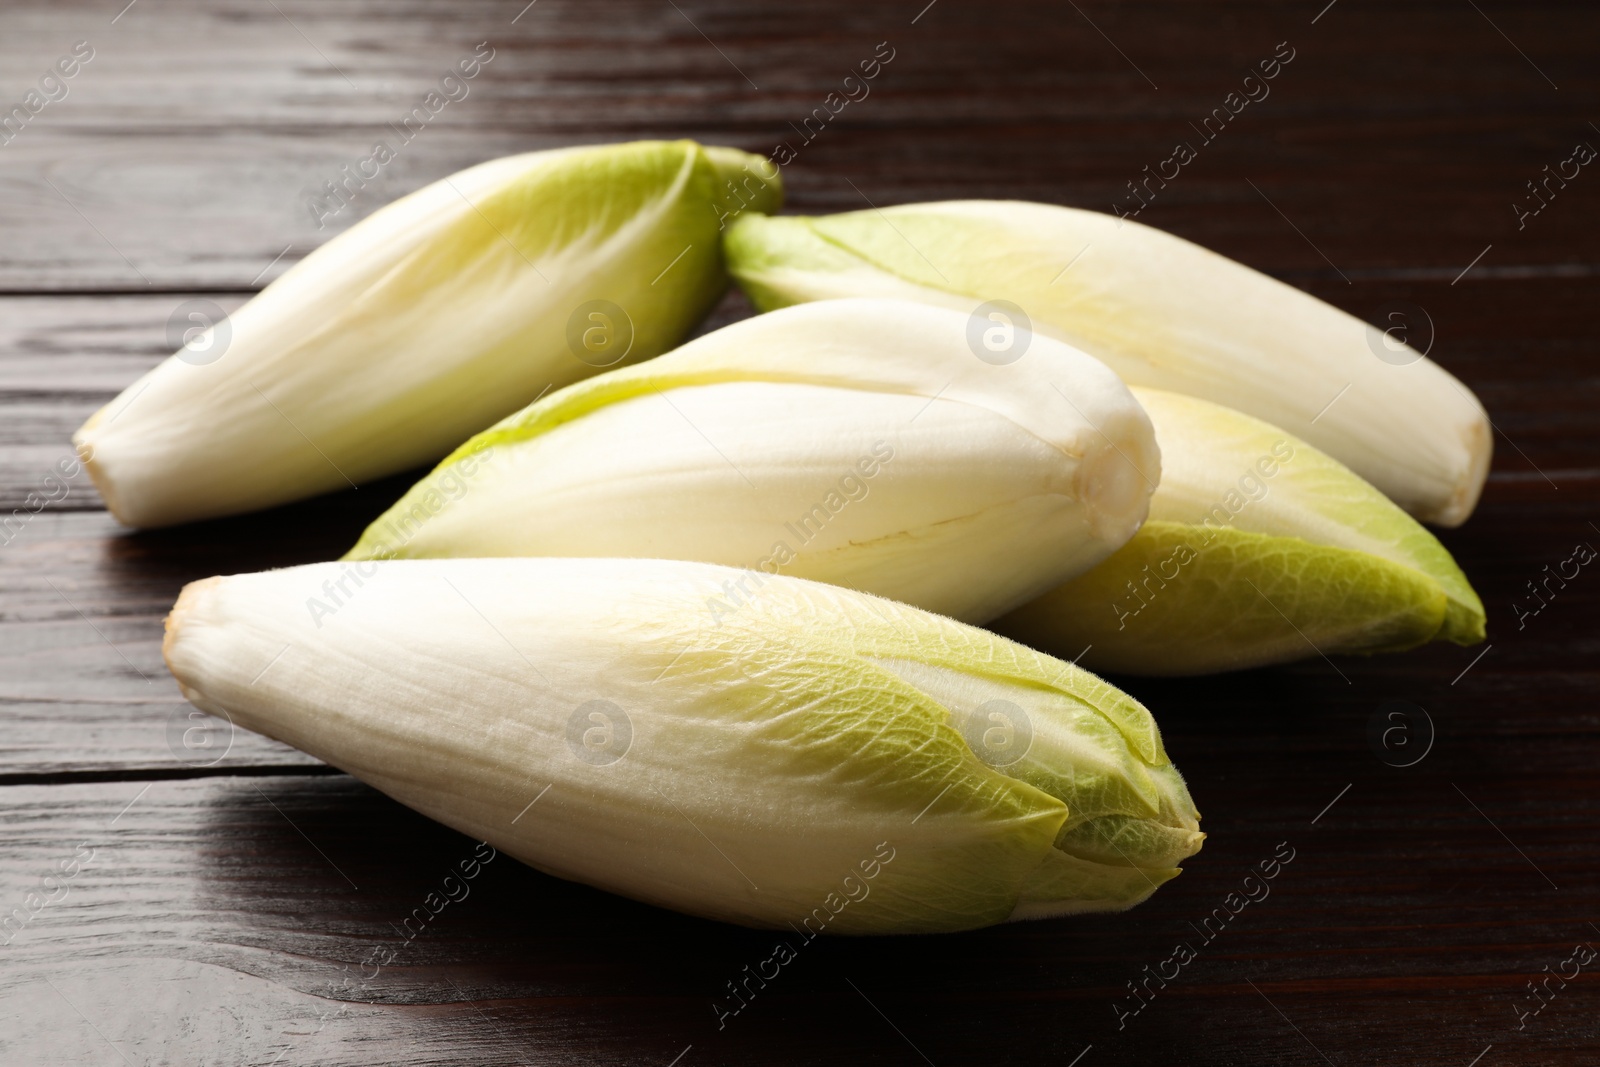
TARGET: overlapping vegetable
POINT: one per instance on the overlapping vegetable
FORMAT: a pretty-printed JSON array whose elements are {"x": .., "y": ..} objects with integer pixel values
[
  {"x": 580, "y": 715},
  {"x": 859, "y": 442},
  {"x": 1161, "y": 312},
  {"x": 597, "y": 634},
  {"x": 1259, "y": 549},
  {"x": 422, "y": 324}
]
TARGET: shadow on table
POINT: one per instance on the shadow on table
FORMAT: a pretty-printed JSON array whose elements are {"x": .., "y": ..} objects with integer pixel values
[
  {"x": 315, "y": 882},
  {"x": 311, "y": 531}
]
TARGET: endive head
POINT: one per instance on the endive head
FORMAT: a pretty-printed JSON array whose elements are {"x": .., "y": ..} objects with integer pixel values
[
  {"x": 824, "y": 762},
  {"x": 860, "y": 442},
  {"x": 1163, "y": 313},
  {"x": 1259, "y": 549},
  {"x": 427, "y": 321}
]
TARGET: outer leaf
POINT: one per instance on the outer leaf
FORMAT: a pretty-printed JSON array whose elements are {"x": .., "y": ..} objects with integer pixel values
[
  {"x": 859, "y": 442},
  {"x": 422, "y": 324},
  {"x": 1163, "y": 313},
  {"x": 1259, "y": 549},
  {"x": 774, "y": 766}
]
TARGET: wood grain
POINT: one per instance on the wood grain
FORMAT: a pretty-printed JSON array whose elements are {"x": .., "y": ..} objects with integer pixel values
[
  {"x": 229, "y": 899},
  {"x": 1397, "y": 139},
  {"x": 257, "y": 898}
]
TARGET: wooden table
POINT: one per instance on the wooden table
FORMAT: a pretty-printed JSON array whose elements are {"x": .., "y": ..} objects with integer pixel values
[{"x": 221, "y": 913}]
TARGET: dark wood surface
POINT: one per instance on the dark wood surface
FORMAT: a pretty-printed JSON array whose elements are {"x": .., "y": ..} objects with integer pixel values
[{"x": 220, "y": 914}]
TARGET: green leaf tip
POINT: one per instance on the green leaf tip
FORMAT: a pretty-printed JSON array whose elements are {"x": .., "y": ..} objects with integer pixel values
[{"x": 1259, "y": 549}]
